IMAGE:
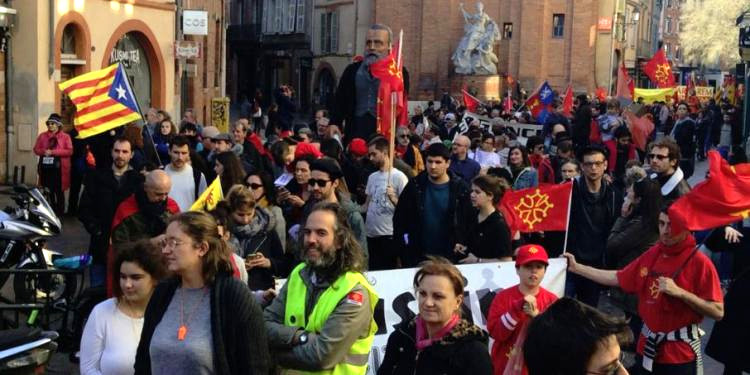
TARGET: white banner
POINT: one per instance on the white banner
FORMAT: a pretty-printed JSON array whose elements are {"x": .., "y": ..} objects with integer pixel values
[{"x": 483, "y": 280}]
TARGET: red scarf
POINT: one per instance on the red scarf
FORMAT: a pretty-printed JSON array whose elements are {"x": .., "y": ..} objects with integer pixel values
[{"x": 423, "y": 340}]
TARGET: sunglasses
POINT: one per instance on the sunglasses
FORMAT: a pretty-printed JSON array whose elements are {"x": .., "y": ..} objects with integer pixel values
[
  {"x": 255, "y": 186},
  {"x": 657, "y": 156},
  {"x": 321, "y": 182}
]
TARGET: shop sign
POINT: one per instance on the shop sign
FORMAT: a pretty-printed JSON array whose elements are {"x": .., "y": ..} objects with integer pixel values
[
  {"x": 187, "y": 49},
  {"x": 604, "y": 24},
  {"x": 128, "y": 58},
  {"x": 195, "y": 22}
]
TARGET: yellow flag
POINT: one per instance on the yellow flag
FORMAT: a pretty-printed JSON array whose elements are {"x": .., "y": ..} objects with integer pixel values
[{"x": 209, "y": 198}]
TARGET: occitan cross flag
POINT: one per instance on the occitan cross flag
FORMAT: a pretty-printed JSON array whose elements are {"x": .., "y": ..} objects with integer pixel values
[{"x": 209, "y": 198}]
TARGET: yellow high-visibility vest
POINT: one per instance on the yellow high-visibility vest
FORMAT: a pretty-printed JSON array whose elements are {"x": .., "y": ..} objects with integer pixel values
[{"x": 355, "y": 362}]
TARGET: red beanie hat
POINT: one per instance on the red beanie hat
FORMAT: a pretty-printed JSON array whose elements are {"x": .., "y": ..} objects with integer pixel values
[{"x": 358, "y": 147}]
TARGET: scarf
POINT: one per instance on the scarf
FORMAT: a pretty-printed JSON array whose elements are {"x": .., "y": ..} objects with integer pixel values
[
  {"x": 152, "y": 212},
  {"x": 423, "y": 341},
  {"x": 682, "y": 248}
]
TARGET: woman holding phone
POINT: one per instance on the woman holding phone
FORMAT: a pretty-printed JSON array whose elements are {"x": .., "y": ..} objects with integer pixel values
[{"x": 255, "y": 239}]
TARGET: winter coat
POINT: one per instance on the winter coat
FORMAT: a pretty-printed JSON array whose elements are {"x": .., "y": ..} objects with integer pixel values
[
  {"x": 161, "y": 142},
  {"x": 729, "y": 337},
  {"x": 591, "y": 220},
  {"x": 527, "y": 178},
  {"x": 260, "y": 237},
  {"x": 407, "y": 219},
  {"x": 461, "y": 351},
  {"x": 63, "y": 150},
  {"x": 612, "y": 158},
  {"x": 237, "y": 329}
]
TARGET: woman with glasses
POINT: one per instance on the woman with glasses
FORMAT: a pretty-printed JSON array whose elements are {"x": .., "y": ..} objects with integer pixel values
[
  {"x": 228, "y": 168},
  {"x": 254, "y": 239},
  {"x": 485, "y": 155},
  {"x": 111, "y": 335},
  {"x": 524, "y": 176},
  {"x": 54, "y": 149},
  {"x": 261, "y": 184},
  {"x": 408, "y": 150},
  {"x": 202, "y": 320}
]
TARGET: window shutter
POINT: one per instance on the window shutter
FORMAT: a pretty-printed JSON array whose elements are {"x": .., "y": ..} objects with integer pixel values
[{"x": 334, "y": 32}]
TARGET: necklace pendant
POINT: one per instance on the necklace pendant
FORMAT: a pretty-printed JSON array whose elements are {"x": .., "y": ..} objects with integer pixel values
[{"x": 181, "y": 332}]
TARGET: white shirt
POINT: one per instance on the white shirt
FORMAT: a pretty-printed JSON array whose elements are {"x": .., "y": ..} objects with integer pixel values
[
  {"x": 109, "y": 341},
  {"x": 183, "y": 186},
  {"x": 503, "y": 155},
  {"x": 486, "y": 159},
  {"x": 380, "y": 209}
]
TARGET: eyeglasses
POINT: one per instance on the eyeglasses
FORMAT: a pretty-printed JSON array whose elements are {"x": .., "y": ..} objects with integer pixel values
[
  {"x": 254, "y": 186},
  {"x": 171, "y": 243},
  {"x": 589, "y": 164},
  {"x": 657, "y": 156},
  {"x": 321, "y": 182},
  {"x": 404, "y": 136}
]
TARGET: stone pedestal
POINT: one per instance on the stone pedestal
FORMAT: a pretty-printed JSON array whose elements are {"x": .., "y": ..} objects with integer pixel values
[{"x": 488, "y": 88}]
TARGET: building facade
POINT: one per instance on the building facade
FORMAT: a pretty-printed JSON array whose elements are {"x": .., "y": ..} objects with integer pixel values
[
  {"x": 56, "y": 40},
  {"x": 577, "y": 42},
  {"x": 201, "y": 78},
  {"x": 269, "y": 45},
  {"x": 669, "y": 37}
]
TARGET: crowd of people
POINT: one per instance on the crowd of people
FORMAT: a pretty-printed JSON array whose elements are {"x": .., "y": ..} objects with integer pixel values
[{"x": 320, "y": 203}]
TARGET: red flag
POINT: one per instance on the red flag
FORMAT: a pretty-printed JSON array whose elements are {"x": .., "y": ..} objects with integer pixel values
[
  {"x": 690, "y": 84},
  {"x": 537, "y": 209},
  {"x": 640, "y": 129},
  {"x": 625, "y": 84},
  {"x": 659, "y": 70},
  {"x": 568, "y": 102},
  {"x": 470, "y": 101},
  {"x": 509, "y": 80},
  {"x": 391, "y": 80},
  {"x": 601, "y": 94},
  {"x": 722, "y": 198},
  {"x": 508, "y": 105}
]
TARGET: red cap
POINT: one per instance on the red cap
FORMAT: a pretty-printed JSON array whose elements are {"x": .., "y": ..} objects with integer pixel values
[
  {"x": 304, "y": 148},
  {"x": 358, "y": 147},
  {"x": 531, "y": 253}
]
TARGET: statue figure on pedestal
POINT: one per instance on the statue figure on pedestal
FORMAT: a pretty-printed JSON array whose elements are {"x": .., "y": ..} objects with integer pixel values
[{"x": 475, "y": 54}]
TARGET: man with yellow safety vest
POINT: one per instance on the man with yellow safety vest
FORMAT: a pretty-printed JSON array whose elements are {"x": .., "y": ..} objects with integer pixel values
[{"x": 322, "y": 320}]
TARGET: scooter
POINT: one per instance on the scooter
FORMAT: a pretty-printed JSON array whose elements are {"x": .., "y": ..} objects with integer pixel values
[{"x": 26, "y": 350}]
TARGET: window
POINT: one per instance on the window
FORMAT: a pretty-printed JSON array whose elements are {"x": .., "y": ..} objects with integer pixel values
[
  {"x": 277, "y": 17},
  {"x": 329, "y": 32},
  {"x": 507, "y": 30},
  {"x": 669, "y": 3},
  {"x": 290, "y": 16},
  {"x": 668, "y": 25},
  {"x": 558, "y": 25},
  {"x": 677, "y": 53},
  {"x": 668, "y": 49},
  {"x": 301, "y": 16}
]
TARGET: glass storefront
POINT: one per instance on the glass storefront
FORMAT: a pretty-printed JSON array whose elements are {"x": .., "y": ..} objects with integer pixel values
[{"x": 130, "y": 52}]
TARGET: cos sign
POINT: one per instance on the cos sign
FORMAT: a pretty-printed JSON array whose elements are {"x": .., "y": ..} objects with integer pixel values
[{"x": 195, "y": 22}]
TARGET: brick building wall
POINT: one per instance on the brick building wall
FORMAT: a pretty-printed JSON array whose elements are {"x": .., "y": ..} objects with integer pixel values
[
  {"x": 433, "y": 29},
  {"x": 3, "y": 137},
  {"x": 206, "y": 82}
]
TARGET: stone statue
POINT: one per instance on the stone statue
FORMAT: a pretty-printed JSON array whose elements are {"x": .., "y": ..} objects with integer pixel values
[{"x": 475, "y": 54}]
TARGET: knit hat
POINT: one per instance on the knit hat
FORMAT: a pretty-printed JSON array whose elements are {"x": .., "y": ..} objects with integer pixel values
[
  {"x": 358, "y": 147},
  {"x": 304, "y": 148},
  {"x": 54, "y": 118},
  {"x": 531, "y": 253}
]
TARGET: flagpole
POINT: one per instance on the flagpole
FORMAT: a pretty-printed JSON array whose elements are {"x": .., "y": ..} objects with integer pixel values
[
  {"x": 394, "y": 104},
  {"x": 567, "y": 223},
  {"x": 138, "y": 107}
]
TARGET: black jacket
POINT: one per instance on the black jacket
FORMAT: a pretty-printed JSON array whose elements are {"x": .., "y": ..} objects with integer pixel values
[
  {"x": 684, "y": 135},
  {"x": 266, "y": 242},
  {"x": 462, "y": 351},
  {"x": 728, "y": 342},
  {"x": 346, "y": 95},
  {"x": 591, "y": 219},
  {"x": 407, "y": 219},
  {"x": 101, "y": 196},
  {"x": 239, "y": 334}
]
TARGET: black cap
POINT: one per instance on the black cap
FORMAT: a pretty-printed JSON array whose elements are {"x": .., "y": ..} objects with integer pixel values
[
  {"x": 329, "y": 166},
  {"x": 54, "y": 118}
]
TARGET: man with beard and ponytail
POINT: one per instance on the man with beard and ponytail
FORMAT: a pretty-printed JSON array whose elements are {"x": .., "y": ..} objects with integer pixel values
[
  {"x": 676, "y": 286},
  {"x": 322, "y": 320},
  {"x": 105, "y": 188},
  {"x": 357, "y": 93},
  {"x": 143, "y": 215}
]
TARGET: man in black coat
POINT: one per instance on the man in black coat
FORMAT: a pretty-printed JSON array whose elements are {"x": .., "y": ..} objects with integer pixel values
[
  {"x": 104, "y": 189},
  {"x": 357, "y": 93}
]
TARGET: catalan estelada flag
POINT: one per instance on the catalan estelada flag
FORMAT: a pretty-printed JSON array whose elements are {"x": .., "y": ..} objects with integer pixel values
[
  {"x": 537, "y": 209},
  {"x": 209, "y": 198},
  {"x": 104, "y": 100}
]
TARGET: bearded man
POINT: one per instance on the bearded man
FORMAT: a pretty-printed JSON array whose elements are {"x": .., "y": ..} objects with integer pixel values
[{"x": 322, "y": 320}]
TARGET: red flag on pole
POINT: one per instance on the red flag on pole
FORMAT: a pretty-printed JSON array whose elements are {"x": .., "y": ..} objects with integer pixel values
[
  {"x": 470, "y": 101},
  {"x": 625, "y": 84},
  {"x": 690, "y": 84},
  {"x": 659, "y": 70},
  {"x": 391, "y": 81},
  {"x": 568, "y": 102},
  {"x": 721, "y": 199},
  {"x": 601, "y": 94},
  {"x": 640, "y": 129},
  {"x": 537, "y": 209}
]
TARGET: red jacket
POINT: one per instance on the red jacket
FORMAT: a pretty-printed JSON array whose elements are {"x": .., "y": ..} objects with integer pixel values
[
  {"x": 543, "y": 168},
  {"x": 612, "y": 148},
  {"x": 63, "y": 150},
  {"x": 506, "y": 319}
]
